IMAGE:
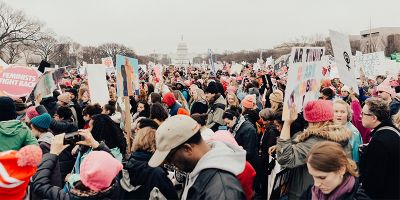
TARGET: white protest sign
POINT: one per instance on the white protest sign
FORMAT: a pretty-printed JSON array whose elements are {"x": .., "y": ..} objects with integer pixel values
[
  {"x": 304, "y": 78},
  {"x": 372, "y": 64},
  {"x": 108, "y": 62},
  {"x": 236, "y": 68},
  {"x": 96, "y": 74},
  {"x": 344, "y": 59}
]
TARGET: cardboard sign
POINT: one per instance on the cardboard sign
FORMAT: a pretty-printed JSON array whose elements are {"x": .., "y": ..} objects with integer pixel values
[
  {"x": 372, "y": 64},
  {"x": 108, "y": 62},
  {"x": 344, "y": 59},
  {"x": 96, "y": 74},
  {"x": 304, "y": 78},
  {"x": 18, "y": 81},
  {"x": 127, "y": 76}
]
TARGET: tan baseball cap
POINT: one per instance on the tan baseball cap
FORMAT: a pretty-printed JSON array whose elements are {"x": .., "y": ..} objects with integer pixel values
[{"x": 173, "y": 132}]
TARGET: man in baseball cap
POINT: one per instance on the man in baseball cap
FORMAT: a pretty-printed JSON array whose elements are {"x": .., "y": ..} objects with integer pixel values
[{"x": 212, "y": 167}]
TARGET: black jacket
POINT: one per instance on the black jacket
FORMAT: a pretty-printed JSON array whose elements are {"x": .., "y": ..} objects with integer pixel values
[
  {"x": 216, "y": 184},
  {"x": 394, "y": 106},
  {"x": 268, "y": 139},
  {"x": 357, "y": 193},
  {"x": 198, "y": 107},
  {"x": 380, "y": 164},
  {"x": 42, "y": 187},
  {"x": 246, "y": 136},
  {"x": 139, "y": 179},
  {"x": 63, "y": 126}
]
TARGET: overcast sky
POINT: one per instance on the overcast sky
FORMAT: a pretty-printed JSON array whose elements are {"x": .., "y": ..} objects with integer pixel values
[{"x": 157, "y": 25}]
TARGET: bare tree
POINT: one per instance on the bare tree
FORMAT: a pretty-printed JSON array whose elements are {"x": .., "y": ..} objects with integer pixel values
[
  {"x": 16, "y": 27},
  {"x": 91, "y": 54},
  {"x": 46, "y": 46},
  {"x": 13, "y": 52},
  {"x": 112, "y": 49}
]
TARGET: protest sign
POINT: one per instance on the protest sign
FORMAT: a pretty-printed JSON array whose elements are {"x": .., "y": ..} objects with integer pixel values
[
  {"x": 18, "y": 81},
  {"x": 96, "y": 75},
  {"x": 47, "y": 83},
  {"x": 329, "y": 69},
  {"x": 127, "y": 76},
  {"x": 236, "y": 68},
  {"x": 372, "y": 64},
  {"x": 108, "y": 62},
  {"x": 305, "y": 74},
  {"x": 280, "y": 188},
  {"x": 344, "y": 59}
]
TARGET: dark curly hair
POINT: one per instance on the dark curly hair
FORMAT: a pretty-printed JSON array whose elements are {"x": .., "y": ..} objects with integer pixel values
[
  {"x": 104, "y": 129},
  {"x": 92, "y": 110}
]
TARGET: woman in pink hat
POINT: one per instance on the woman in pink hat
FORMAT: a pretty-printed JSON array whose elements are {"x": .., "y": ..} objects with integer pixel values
[{"x": 292, "y": 152}]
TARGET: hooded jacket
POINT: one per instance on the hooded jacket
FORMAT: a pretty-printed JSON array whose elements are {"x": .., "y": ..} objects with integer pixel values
[
  {"x": 42, "y": 187},
  {"x": 292, "y": 154},
  {"x": 14, "y": 134},
  {"x": 214, "y": 176},
  {"x": 140, "y": 181}
]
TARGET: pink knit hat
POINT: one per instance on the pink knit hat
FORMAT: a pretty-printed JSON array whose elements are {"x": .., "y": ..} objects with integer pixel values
[
  {"x": 386, "y": 88},
  {"x": 98, "y": 170},
  {"x": 223, "y": 136},
  {"x": 31, "y": 112},
  {"x": 318, "y": 111},
  {"x": 249, "y": 101}
]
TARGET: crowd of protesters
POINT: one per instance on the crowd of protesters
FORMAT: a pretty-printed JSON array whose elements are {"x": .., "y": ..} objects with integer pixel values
[{"x": 199, "y": 135}]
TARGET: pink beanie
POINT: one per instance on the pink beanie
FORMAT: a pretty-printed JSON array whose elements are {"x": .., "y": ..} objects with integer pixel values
[
  {"x": 223, "y": 136},
  {"x": 31, "y": 112},
  {"x": 385, "y": 88},
  {"x": 318, "y": 111},
  {"x": 98, "y": 170},
  {"x": 232, "y": 89},
  {"x": 248, "y": 101}
]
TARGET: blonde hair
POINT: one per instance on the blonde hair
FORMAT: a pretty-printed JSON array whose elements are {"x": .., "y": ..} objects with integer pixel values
[
  {"x": 348, "y": 108},
  {"x": 396, "y": 120},
  {"x": 237, "y": 104},
  {"x": 330, "y": 157},
  {"x": 179, "y": 97},
  {"x": 145, "y": 140},
  {"x": 81, "y": 91}
]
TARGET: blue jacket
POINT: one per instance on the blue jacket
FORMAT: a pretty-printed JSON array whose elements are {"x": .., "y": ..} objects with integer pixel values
[
  {"x": 174, "y": 108},
  {"x": 355, "y": 141}
]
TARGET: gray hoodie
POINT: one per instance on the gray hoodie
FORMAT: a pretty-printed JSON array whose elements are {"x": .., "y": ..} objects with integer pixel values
[{"x": 222, "y": 156}]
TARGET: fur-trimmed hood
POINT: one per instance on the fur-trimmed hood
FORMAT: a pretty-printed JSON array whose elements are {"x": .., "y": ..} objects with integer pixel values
[{"x": 328, "y": 131}]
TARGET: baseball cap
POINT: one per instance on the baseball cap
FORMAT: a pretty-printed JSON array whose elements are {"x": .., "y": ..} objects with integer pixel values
[{"x": 173, "y": 132}]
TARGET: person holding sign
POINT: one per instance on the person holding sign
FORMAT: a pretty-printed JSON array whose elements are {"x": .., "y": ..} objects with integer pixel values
[
  {"x": 292, "y": 152},
  {"x": 334, "y": 174}
]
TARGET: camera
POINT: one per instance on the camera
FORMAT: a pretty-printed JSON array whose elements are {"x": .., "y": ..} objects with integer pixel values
[{"x": 72, "y": 138}]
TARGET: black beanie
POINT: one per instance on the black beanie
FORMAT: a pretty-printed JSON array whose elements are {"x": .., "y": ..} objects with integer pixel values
[
  {"x": 7, "y": 109},
  {"x": 212, "y": 88}
]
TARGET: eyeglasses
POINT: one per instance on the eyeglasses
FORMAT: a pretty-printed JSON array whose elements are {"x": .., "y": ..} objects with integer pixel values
[{"x": 366, "y": 114}]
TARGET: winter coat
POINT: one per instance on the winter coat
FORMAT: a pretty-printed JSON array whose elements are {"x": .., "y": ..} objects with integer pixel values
[
  {"x": 215, "y": 113},
  {"x": 380, "y": 163},
  {"x": 246, "y": 136},
  {"x": 355, "y": 141},
  {"x": 292, "y": 154},
  {"x": 214, "y": 176},
  {"x": 198, "y": 107},
  {"x": 14, "y": 135},
  {"x": 174, "y": 108},
  {"x": 140, "y": 181},
  {"x": 357, "y": 193},
  {"x": 63, "y": 126},
  {"x": 42, "y": 187}
]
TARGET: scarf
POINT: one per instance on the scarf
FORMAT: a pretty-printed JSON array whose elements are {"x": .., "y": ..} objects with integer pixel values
[
  {"x": 238, "y": 125},
  {"x": 339, "y": 192}
]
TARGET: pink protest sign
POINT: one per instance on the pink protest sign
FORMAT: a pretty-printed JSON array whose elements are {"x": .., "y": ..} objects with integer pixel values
[{"x": 18, "y": 81}]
